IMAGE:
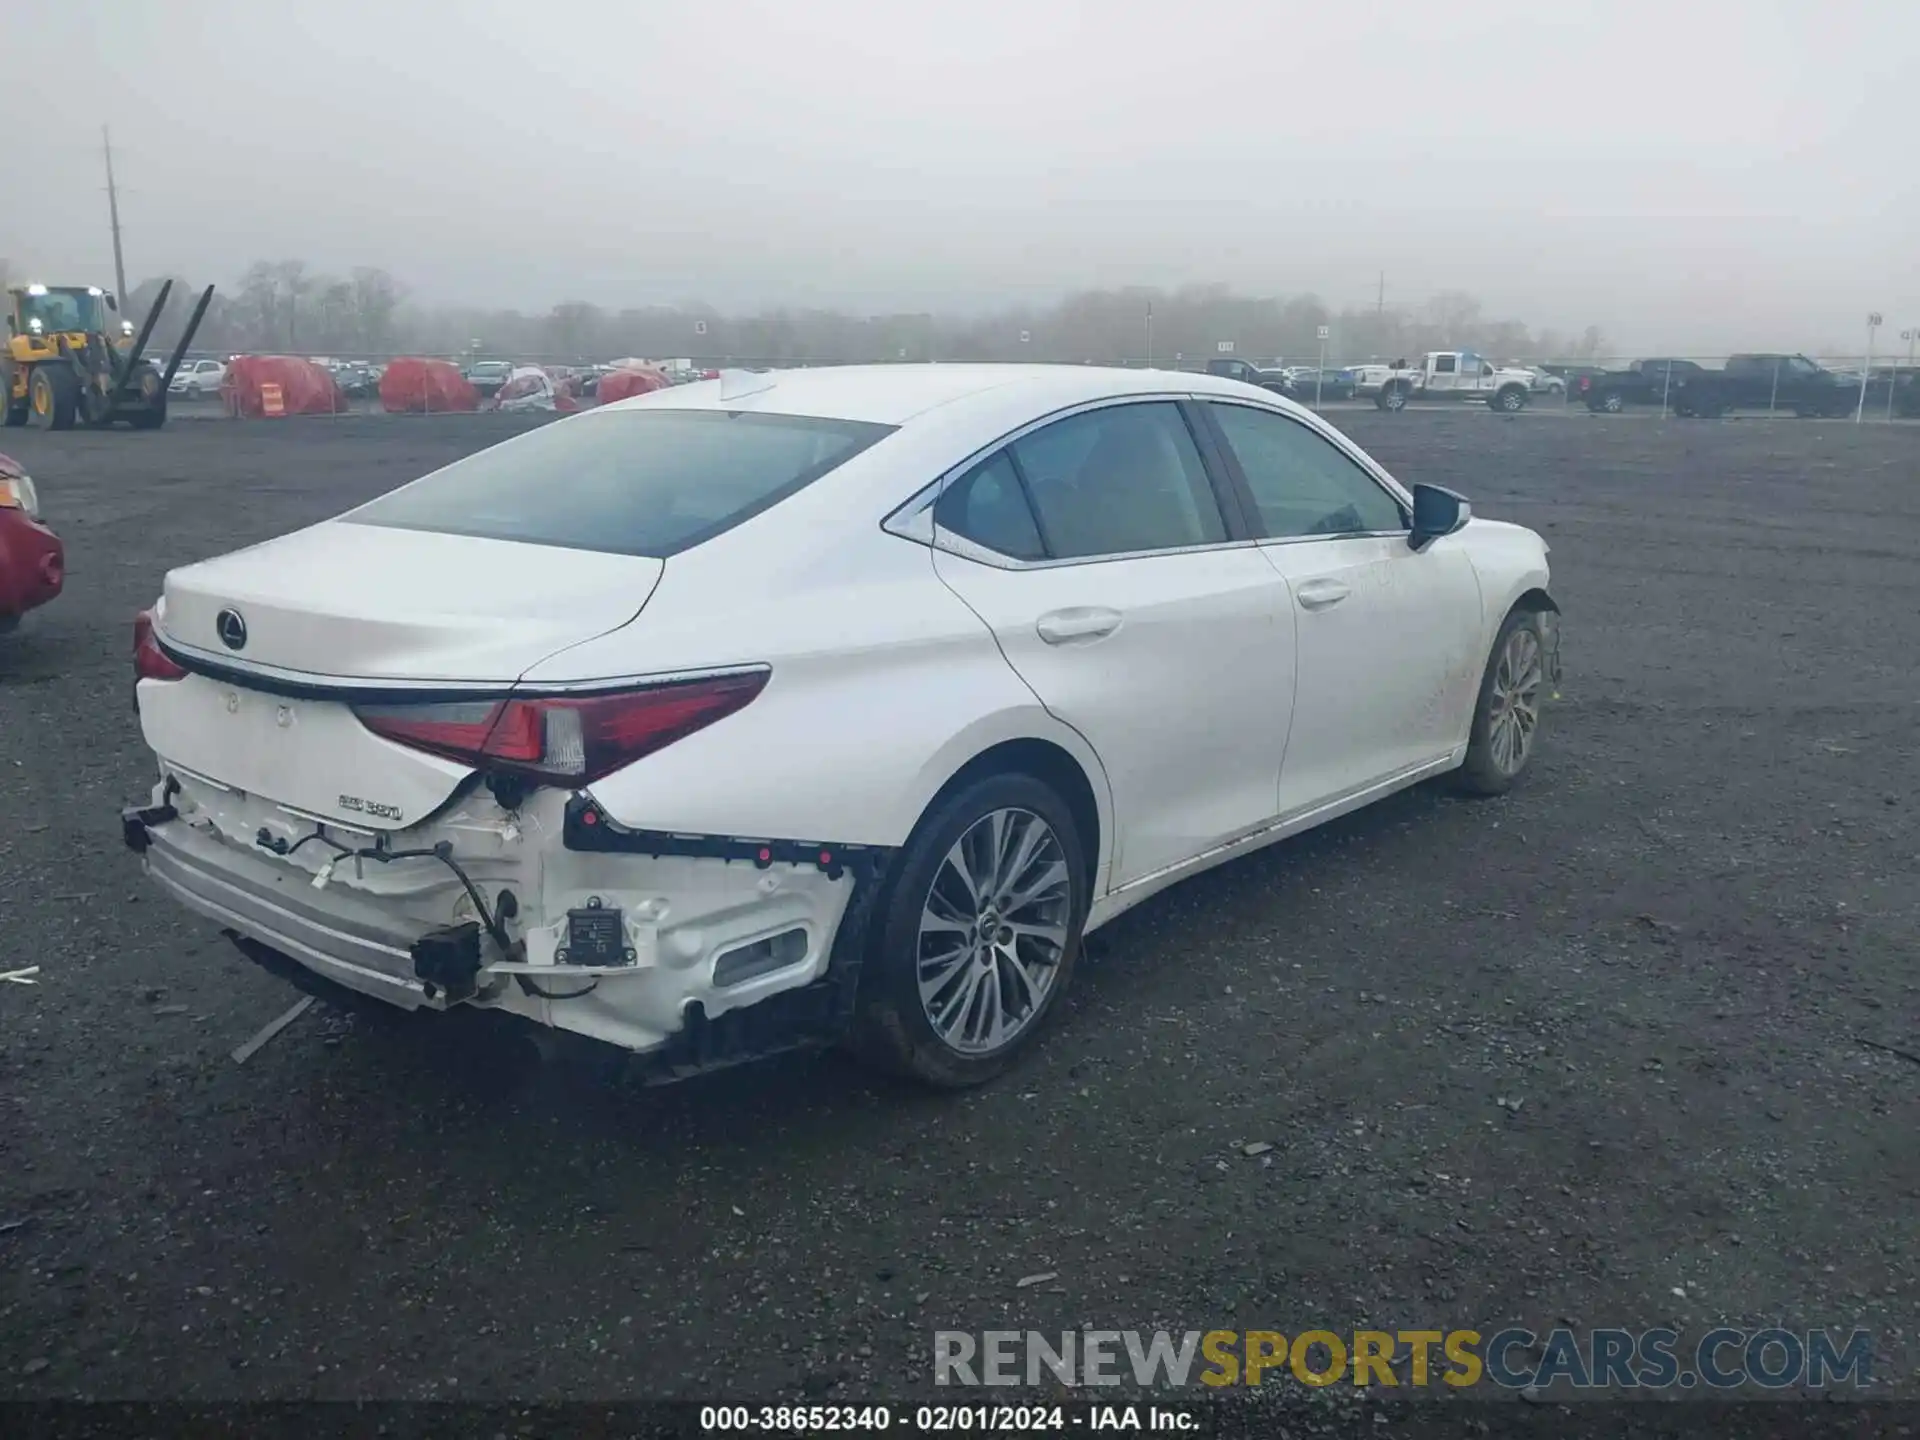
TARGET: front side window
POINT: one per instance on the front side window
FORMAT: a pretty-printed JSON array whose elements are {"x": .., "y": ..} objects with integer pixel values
[
  {"x": 1119, "y": 480},
  {"x": 640, "y": 482},
  {"x": 1302, "y": 483}
]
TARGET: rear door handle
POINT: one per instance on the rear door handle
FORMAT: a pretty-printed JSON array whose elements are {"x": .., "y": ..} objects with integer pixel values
[
  {"x": 1079, "y": 623},
  {"x": 1319, "y": 594}
]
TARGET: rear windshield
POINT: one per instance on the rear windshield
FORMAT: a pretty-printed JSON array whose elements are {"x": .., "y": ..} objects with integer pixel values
[{"x": 641, "y": 482}]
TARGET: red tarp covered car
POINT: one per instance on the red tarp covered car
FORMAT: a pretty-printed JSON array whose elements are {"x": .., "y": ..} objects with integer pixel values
[
  {"x": 415, "y": 386},
  {"x": 305, "y": 388},
  {"x": 625, "y": 381},
  {"x": 32, "y": 561}
]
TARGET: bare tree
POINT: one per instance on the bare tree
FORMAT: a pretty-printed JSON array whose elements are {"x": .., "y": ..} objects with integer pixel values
[
  {"x": 376, "y": 296},
  {"x": 295, "y": 284},
  {"x": 367, "y": 313}
]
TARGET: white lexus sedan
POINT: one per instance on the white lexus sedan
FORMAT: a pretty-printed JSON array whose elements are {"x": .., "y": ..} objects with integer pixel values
[{"x": 835, "y": 705}]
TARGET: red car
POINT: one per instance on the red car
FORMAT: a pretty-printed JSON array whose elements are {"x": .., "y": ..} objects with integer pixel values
[{"x": 33, "y": 563}]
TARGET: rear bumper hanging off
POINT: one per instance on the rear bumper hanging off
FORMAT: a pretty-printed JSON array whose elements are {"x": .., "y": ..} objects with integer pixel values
[{"x": 342, "y": 942}]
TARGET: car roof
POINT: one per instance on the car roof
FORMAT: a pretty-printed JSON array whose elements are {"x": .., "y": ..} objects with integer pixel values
[{"x": 895, "y": 394}]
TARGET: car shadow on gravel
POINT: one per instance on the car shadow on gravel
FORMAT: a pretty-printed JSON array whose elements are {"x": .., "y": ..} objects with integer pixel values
[{"x": 502, "y": 1077}]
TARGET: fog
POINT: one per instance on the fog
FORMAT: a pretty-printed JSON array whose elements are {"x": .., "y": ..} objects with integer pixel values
[{"x": 1690, "y": 176}]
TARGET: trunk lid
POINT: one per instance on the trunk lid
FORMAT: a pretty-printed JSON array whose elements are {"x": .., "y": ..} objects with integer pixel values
[{"x": 363, "y": 602}]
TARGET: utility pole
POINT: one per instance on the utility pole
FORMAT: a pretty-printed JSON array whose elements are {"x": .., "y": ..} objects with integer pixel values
[
  {"x": 1380, "y": 303},
  {"x": 113, "y": 214}
]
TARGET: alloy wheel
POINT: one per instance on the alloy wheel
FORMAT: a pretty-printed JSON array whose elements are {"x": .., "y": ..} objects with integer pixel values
[
  {"x": 993, "y": 930},
  {"x": 1514, "y": 705}
]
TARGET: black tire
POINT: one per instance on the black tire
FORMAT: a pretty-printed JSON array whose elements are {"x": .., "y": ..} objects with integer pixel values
[
  {"x": 891, "y": 1029},
  {"x": 1613, "y": 402},
  {"x": 1509, "y": 399},
  {"x": 1392, "y": 398},
  {"x": 53, "y": 396},
  {"x": 1484, "y": 772}
]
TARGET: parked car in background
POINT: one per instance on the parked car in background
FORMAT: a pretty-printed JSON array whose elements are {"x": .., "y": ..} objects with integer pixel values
[
  {"x": 1644, "y": 382},
  {"x": 197, "y": 379},
  {"x": 1245, "y": 371},
  {"x": 32, "y": 559},
  {"x": 355, "y": 379},
  {"x": 487, "y": 376},
  {"x": 1058, "y": 637},
  {"x": 1764, "y": 382},
  {"x": 1310, "y": 385},
  {"x": 1577, "y": 378},
  {"x": 1544, "y": 382}
]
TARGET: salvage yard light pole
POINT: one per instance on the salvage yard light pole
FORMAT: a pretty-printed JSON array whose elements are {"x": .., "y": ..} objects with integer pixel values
[
  {"x": 1866, "y": 370},
  {"x": 1894, "y": 384}
]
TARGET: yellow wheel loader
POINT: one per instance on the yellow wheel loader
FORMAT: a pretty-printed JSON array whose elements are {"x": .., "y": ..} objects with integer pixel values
[{"x": 70, "y": 361}]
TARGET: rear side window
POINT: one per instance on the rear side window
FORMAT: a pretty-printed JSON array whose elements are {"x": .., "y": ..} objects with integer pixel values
[
  {"x": 1119, "y": 480},
  {"x": 988, "y": 507},
  {"x": 640, "y": 482}
]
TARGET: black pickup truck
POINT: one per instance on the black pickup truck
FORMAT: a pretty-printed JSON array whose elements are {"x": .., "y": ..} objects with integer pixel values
[
  {"x": 1233, "y": 369},
  {"x": 1644, "y": 382},
  {"x": 1764, "y": 382}
]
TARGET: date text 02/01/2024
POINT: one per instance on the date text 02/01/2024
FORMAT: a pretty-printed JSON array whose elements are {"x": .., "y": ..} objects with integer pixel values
[{"x": 947, "y": 1419}]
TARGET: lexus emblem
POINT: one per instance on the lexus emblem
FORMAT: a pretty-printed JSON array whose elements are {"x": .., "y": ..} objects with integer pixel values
[{"x": 232, "y": 629}]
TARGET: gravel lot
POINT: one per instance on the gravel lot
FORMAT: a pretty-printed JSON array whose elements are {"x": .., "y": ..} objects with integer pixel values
[{"x": 1667, "y": 952}]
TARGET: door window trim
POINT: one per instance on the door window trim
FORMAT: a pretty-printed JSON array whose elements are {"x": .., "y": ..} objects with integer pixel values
[
  {"x": 1364, "y": 462},
  {"x": 914, "y": 519}
]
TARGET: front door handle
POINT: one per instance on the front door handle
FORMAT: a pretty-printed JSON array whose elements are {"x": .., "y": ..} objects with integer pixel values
[
  {"x": 1319, "y": 594},
  {"x": 1080, "y": 623}
]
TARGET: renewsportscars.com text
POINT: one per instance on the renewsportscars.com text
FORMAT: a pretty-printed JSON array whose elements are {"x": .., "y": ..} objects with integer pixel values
[{"x": 1516, "y": 1359}]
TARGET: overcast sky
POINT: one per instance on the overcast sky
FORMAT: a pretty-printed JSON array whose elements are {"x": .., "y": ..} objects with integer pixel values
[{"x": 1688, "y": 174}]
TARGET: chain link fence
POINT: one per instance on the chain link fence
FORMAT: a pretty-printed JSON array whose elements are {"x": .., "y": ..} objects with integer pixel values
[{"x": 1883, "y": 388}]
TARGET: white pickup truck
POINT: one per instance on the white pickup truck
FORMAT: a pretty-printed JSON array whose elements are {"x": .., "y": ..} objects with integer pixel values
[{"x": 1445, "y": 375}]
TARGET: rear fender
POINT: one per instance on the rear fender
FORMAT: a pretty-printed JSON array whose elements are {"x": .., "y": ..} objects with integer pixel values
[{"x": 847, "y": 751}]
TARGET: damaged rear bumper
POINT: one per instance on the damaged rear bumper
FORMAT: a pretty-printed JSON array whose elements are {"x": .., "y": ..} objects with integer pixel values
[{"x": 691, "y": 951}]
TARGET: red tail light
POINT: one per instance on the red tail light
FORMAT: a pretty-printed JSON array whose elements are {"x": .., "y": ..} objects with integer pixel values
[
  {"x": 150, "y": 662},
  {"x": 564, "y": 740}
]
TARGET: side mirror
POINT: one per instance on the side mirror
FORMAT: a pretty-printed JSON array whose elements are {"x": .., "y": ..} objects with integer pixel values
[{"x": 1436, "y": 512}]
